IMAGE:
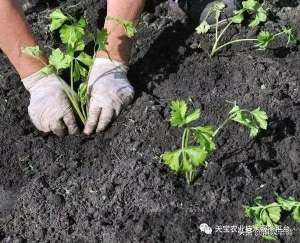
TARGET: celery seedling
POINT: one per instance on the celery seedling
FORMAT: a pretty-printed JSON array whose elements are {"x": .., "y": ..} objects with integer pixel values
[
  {"x": 199, "y": 141},
  {"x": 74, "y": 57},
  {"x": 270, "y": 214},
  {"x": 259, "y": 15}
]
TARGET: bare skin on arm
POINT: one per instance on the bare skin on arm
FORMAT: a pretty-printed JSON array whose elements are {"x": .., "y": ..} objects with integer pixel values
[
  {"x": 15, "y": 34},
  {"x": 119, "y": 44},
  {"x": 49, "y": 108},
  {"x": 112, "y": 92}
]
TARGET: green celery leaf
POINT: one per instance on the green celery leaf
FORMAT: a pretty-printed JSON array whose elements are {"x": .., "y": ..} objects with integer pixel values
[
  {"x": 82, "y": 23},
  {"x": 203, "y": 28},
  {"x": 261, "y": 14},
  {"x": 251, "y": 5},
  {"x": 186, "y": 166},
  {"x": 290, "y": 35},
  {"x": 287, "y": 204},
  {"x": 238, "y": 16},
  {"x": 128, "y": 26},
  {"x": 253, "y": 131},
  {"x": 205, "y": 137},
  {"x": 296, "y": 214},
  {"x": 217, "y": 6},
  {"x": 82, "y": 93},
  {"x": 178, "y": 113},
  {"x": 59, "y": 60},
  {"x": 196, "y": 155},
  {"x": 80, "y": 45},
  {"x": 101, "y": 39},
  {"x": 83, "y": 72},
  {"x": 274, "y": 212},
  {"x": 172, "y": 159},
  {"x": 193, "y": 116},
  {"x": 76, "y": 71},
  {"x": 251, "y": 212},
  {"x": 238, "y": 116},
  {"x": 72, "y": 35},
  {"x": 260, "y": 17},
  {"x": 85, "y": 58},
  {"x": 179, "y": 116},
  {"x": 254, "y": 23},
  {"x": 57, "y": 19},
  {"x": 33, "y": 51},
  {"x": 47, "y": 70},
  {"x": 264, "y": 38},
  {"x": 260, "y": 117},
  {"x": 235, "y": 109},
  {"x": 264, "y": 216},
  {"x": 185, "y": 160}
]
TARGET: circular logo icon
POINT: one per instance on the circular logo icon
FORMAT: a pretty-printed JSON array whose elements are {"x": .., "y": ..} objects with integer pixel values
[{"x": 205, "y": 228}]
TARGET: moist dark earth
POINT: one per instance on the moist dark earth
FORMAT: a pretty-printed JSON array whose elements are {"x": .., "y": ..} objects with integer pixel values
[{"x": 112, "y": 186}]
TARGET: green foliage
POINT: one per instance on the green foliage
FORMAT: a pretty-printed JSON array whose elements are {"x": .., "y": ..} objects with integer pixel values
[
  {"x": 74, "y": 57},
  {"x": 253, "y": 120},
  {"x": 194, "y": 157},
  {"x": 72, "y": 35},
  {"x": 255, "y": 9},
  {"x": 128, "y": 26},
  {"x": 199, "y": 141},
  {"x": 270, "y": 214},
  {"x": 60, "y": 60},
  {"x": 47, "y": 70},
  {"x": 57, "y": 19},
  {"x": 203, "y": 28},
  {"x": 101, "y": 39},
  {"x": 82, "y": 91},
  {"x": 264, "y": 39},
  {"x": 238, "y": 16},
  {"x": 205, "y": 137},
  {"x": 33, "y": 51},
  {"x": 217, "y": 9},
  {"x": 257, "y": 15},
  {"x": 179, "y": 114},
  {"x": 289, "y": 33}
]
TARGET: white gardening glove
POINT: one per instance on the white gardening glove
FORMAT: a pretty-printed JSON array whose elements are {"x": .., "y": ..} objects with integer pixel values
[
  {"x": 109, "y": 92},
  {"x": 49, "y": 108}
]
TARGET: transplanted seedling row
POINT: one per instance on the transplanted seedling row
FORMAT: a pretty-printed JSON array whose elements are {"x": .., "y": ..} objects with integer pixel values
[
  {"x": 74, "y": 56},
  {"x": 252, "y": 11},
  {"x": 198, "y": 142},
  {"x": 270, "y": 214}
]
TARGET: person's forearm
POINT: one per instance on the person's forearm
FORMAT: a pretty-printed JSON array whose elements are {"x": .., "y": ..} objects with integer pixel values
[
  {"x": 14, "y": 35},
  {"x": 118, "y": 43}
]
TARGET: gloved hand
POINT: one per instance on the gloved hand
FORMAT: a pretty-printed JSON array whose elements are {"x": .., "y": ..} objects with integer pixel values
[
  {"x": 109, "y": 92},
  {"x": 49, "y": 108}
]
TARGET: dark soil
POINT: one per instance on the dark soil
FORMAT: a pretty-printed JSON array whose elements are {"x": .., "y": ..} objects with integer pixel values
[{"x": 112, "y": 187}]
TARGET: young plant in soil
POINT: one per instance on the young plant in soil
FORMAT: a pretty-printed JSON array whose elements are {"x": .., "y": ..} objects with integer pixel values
[
  {"x": 257, "y": 15},
  {"x": 74, "y": 57},
  {"x": 198, "y": 142},
  {"x": 269, "y": 215}
]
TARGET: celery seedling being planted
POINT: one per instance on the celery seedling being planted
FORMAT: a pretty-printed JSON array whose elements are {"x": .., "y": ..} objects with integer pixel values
[
  {"x": 270, "y": 214},
  {"x": 74, "y": 57},
  {"x": 257, "y": 14},
  {"x": 198, "y": 142}
]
